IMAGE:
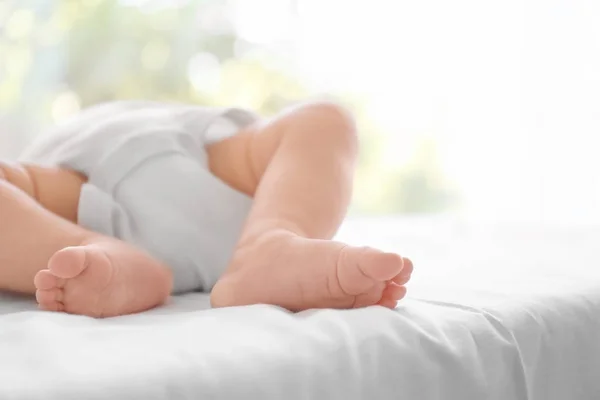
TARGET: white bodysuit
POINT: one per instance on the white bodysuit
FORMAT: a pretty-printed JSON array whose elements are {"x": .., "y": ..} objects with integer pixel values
[{"x": 149, "y": 182}]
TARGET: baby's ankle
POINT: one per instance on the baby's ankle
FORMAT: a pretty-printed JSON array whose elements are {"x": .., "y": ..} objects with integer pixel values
[{"x": 270, "y": 229}]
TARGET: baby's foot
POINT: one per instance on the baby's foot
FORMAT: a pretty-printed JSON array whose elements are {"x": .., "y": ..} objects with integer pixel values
[
  {"x": 102, "y": 279},
  {"x": 298, "y": 274}
]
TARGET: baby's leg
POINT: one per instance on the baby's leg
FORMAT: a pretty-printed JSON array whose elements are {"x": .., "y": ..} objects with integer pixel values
[
  {"x": 300, "y": 168},
  {"x": 56, "y": 189},
  {"x": 67, "y": 267}
]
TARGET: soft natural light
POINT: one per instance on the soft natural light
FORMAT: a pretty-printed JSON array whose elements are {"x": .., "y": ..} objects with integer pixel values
[
  {"x": 300, "y": 199},
  {"x": 513, "y": 101},
  {"x": 507, "y": 92}
]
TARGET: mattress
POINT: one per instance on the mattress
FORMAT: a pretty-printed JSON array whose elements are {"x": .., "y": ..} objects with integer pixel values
[{"x": 493, "y": 312}]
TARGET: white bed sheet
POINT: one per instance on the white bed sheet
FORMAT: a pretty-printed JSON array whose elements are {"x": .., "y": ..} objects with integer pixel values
[{"x": 505, "y": 313}]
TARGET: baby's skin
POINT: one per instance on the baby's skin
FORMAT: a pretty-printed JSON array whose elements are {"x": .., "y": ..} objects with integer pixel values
[{"x": 297, "y": 166}]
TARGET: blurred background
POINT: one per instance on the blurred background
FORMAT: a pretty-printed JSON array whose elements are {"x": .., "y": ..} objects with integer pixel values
[{"x": 484, "y": 109}]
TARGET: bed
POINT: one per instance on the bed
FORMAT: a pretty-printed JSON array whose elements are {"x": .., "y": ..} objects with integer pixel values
[{"x": 494, "y": 312}]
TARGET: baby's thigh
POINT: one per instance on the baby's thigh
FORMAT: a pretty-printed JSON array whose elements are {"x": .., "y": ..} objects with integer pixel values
[{"x": 56, "y": 189}]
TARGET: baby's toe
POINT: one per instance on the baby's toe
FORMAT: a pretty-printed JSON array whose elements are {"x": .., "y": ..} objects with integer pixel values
[
  {"x": 404, "y": 276},
  {"x": 394, "y": 292},
  {"x": 380, "y": 266},
  {"x": 45, "y": 280},
  {"x": 401, "y": 279},
  {"x": 370, "y": 297},
  {"x": 68, "y": 262},
  {"x": 407, "y": 266},
  {"x": 388, "y": 303},
  {"x": 359, "y": 269},
  {"x": 50, "y": 300}
]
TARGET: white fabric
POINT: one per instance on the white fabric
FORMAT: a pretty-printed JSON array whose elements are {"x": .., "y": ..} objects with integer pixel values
[
  {"x": 149, "y": 182},
  {"x": 504, "y": 313}
]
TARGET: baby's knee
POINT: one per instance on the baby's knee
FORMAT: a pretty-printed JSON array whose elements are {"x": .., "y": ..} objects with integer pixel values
[
  {"x": 331, "y": 114},
  {"x": 330, "y": 119}
]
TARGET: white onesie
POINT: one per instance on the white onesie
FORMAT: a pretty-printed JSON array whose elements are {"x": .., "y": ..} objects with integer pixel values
[{"x": 149, "y": 183}]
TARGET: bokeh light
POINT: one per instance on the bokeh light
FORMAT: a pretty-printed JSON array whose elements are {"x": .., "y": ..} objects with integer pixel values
[
  {"x": 484, "y": 108},
  {"x": 65, "y": 105},
  {"x": 204, "y": 72}
]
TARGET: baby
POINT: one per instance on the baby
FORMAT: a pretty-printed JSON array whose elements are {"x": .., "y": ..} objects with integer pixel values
[{"x": 132, "y": 201}]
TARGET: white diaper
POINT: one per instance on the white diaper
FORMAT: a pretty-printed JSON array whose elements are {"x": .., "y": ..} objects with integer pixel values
[{"x": 149, "y": 182}]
